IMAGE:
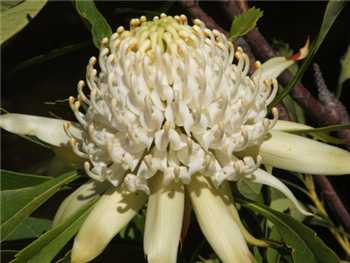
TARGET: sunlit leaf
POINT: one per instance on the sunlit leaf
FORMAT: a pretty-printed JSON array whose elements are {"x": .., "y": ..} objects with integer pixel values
[
  {"x": 47, "y": 246},
  {"x": 303, "y": 241},
  {"x": 30, "y": 228},
  {"x": 15, "y": 17},
  {"x": 13, "y": 180},
  {"x": 344, "y": 72},
  {"x": 99, "y": 26},
  {"x": 245, "y": 22},
  {"x": 333, "y": 9},
  {"x": 17, "y": 205}
]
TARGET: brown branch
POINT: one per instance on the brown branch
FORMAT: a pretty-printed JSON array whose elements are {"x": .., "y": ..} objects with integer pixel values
[
  {"x": 334, "y": 106},
  {"x": 333, "y": 200},
  {"x": 262, "y": 49}
]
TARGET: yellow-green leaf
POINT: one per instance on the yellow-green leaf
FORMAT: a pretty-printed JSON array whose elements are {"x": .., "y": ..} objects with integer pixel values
[
  {"x": 15, "y": 17},
  {"x": 344, "y": 72},
  {"x": 99, "y": 25},
  {"x": 245, "y": 22}
]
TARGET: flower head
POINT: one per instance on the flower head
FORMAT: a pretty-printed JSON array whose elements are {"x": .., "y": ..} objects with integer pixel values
[
  {"x": 167, "y": 96},
  {"x": 174, "y": 109}
]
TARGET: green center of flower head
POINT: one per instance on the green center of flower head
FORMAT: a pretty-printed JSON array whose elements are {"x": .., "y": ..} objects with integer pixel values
[
  {"x": 164, "y": 32},
  {"x": 170, "y": 98}
]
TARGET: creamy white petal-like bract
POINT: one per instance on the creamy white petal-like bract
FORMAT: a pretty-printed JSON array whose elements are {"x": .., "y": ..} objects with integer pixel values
[
  {"x": 48, "y": 130},
  {"x": 111, "y": 213},
  {"x": 164, "y": 217},
  {"x": 282, "y": 125},
  {"x": 216, "y": 221},
  {"x": 262, "y": 177},
  {"x": 296, "y": 153},
  {"x": 78, "y": 199}
]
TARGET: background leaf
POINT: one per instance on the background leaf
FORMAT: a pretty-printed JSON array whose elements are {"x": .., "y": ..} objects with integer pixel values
[
  {"x": 304, "y": 242},
  {"x": 30, "y": 228},
  {"x": 249, "y": 189},
  {"x": 45, "y": 248},
  {"x": 245, "y": 22},
  {"x": 344, "y": 72},
  {"x": 99, "y": 26},
  {"x": 17, "y": 205},
  {"x": 15, "y": 17},
  {"x": 13, "y": 180}
]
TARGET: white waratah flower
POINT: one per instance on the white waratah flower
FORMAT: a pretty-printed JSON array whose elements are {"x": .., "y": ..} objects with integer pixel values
[{"x": 173, "y": 109}]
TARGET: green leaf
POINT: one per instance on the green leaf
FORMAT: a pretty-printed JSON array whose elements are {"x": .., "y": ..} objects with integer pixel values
[
  {"x": 344, "y": 72},
  {"x": 15, "y": 17},
  {"x": 280, "y": 203},
  {"x": 17, "y": 205},
  {"x": 47, "y": 246},
  {"x": 329, "y": 128},
  {"x": 249, "y": 189},
  {"x": 99, "y": 26},
  {"x": 30, "y": 228},
  {"x": 304, "y": 242},
  {"x": 245, "y": 22},
  {"x": 332, "y": 11},
  {"x": 48, "y": 56},
  {"x": 13, "y": 180},
  {"x": 272, "y": 255}
]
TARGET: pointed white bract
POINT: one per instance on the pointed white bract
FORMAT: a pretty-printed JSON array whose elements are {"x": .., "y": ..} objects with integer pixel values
[
  {"x": 48, "y": 130},
  {"x": 163, "y": 220},
  {"x": 262, "y": 177},
  {"x": 77, "y": 200},
  {"x": 296, "y": 153},
  {"x": 227, "y": 193},
  {"x": 111, "y": 213},
  {"x": 211, "y": 207}
]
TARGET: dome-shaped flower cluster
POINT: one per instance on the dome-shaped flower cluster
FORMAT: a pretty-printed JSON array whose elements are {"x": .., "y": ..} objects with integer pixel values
[{"x": 173, "y": 98}]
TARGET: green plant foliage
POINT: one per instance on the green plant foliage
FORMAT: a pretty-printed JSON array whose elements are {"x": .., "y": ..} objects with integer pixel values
[
  {"x": 19, "y": 204},
  {"x": 14, "y": 16},
  {"x": 345, "y": 72},
  {"x": 45, "y": 248},
  {"x": 249, "y": 189},
  {"x": 37, "y": 60},
  {"x": 99, "y": 25},
  {"x": 31, "y": 227},
  {"x": 245, "y": 22},
  {"x": 333, "y": 9},
  {"x": 303, "y": 242},
  {"x": 14, "y": 180}
]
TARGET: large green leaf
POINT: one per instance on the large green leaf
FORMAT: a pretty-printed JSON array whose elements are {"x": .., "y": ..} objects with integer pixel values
[
  {"x": 99, "y": 26},
  {"x": 333, "y": 9},
  {"x": 13, "y": 180},
  {"x": 30, "y": 228},
  {"x": 47, "y": 246},
  {"x": 245, "y": 22},
  {"x": 17, "y": 205},
  {"x": 15, "y": 17},
  {"x": 302, "y": 240}
]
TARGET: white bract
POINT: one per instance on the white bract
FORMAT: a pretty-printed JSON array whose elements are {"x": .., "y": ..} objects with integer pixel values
[{"x": 173, "y": 109}]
